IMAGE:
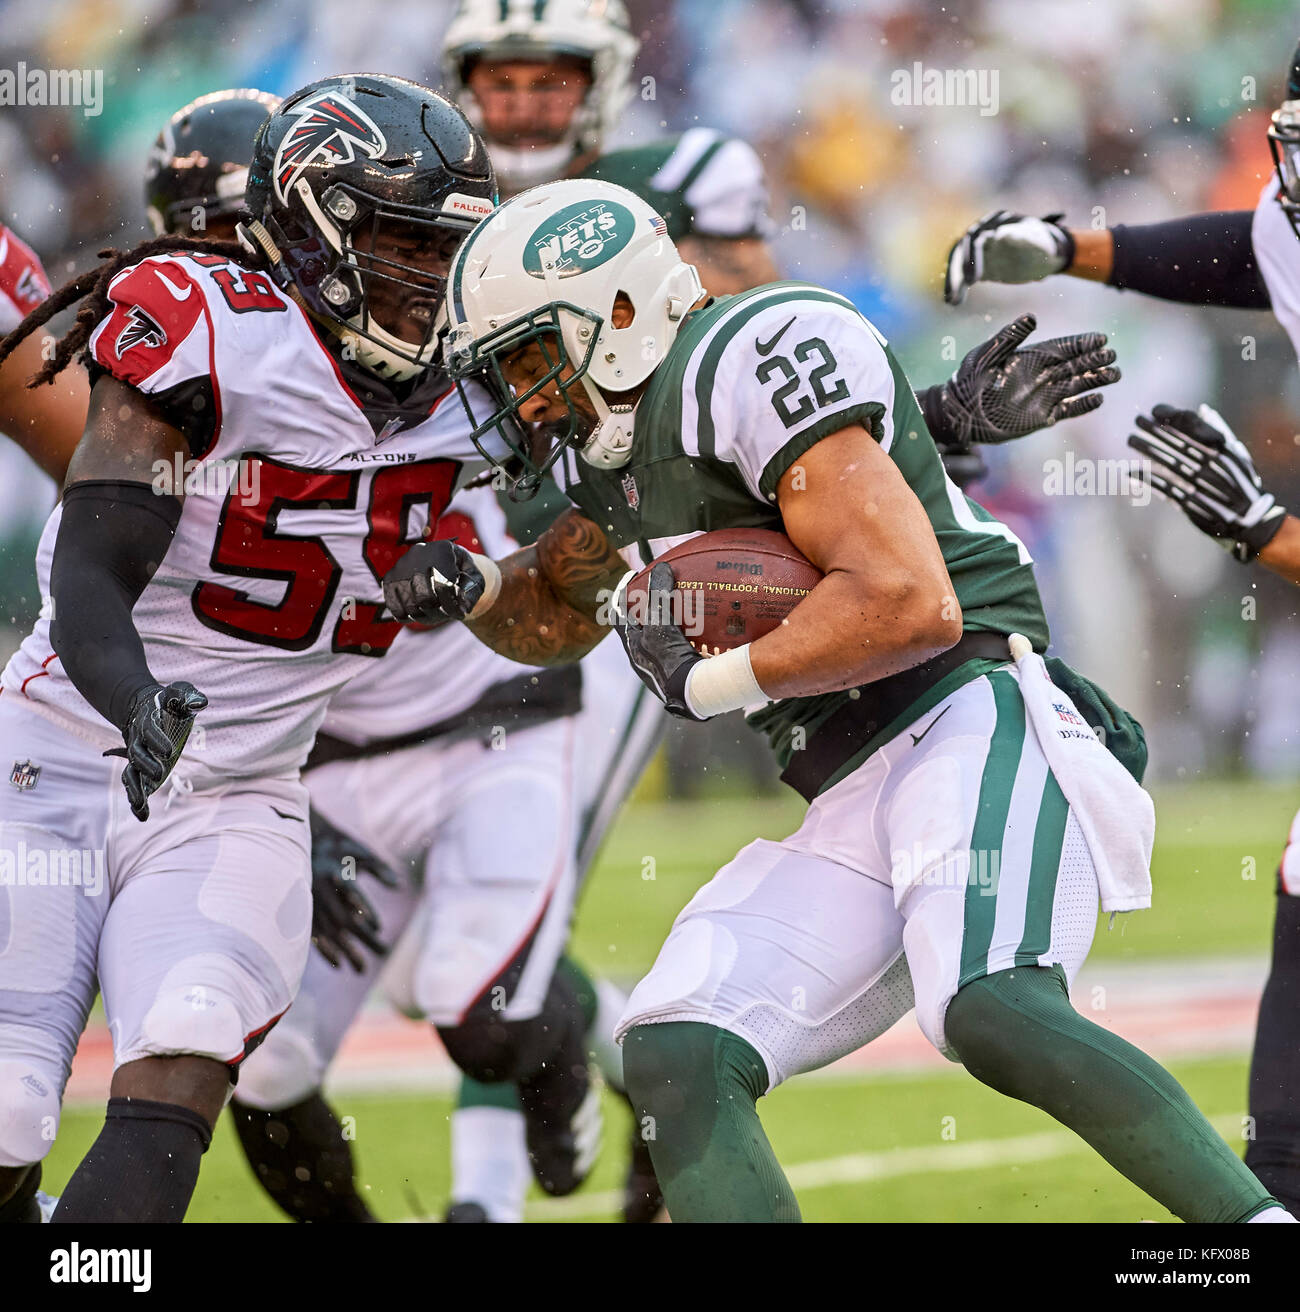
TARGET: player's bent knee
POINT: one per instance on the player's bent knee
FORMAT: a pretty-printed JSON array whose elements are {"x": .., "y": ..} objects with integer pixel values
[
  {"x": 283, "y": 1072},
  {"x": 663, "y": 1063},
  {"x": 29, "y": 1113},
  {"x": 996, "y": 1024},
  {"x": 488, "y": 1048},
  {"x": 196, "y": 1021}
]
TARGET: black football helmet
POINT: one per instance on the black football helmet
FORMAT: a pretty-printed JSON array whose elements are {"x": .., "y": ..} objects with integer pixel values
[
  {"x": 1284, "y": 141},
  {"x": 199, "y": 164},
  {"x": 340, "y": 169}
]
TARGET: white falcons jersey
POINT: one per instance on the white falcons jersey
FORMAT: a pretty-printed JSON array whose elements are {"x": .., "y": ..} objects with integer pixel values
[
  {"x": 1277, "y": 252},
  {"x": 269, "y": 598},
  {"x": 431, "y": 675}
]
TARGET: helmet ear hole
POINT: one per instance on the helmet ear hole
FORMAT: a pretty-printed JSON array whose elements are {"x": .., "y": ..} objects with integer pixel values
[{"x": 624, "y": 311}]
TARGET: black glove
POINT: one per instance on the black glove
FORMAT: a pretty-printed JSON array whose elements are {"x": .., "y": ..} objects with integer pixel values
[
  {"x": 964, "y": 465},
  {"x": 338, "y": 907},
  {"x": 433, "y": 581},
  {"x": 659, "y": 651},
  {"x": 999, "y": 393},
  {"x": 1006, "y": 247},
  {"x": 157, "y": 726},
  {"x": 1199, "y": 463}
]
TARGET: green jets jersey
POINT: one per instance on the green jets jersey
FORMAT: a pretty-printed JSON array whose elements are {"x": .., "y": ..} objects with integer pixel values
[
  {"x": 750, "y": 384},
  {"x": 702, "y": 183}
]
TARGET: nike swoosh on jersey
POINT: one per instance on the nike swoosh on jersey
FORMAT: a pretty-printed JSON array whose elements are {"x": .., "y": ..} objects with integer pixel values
[
  {"x": 764, "y": 347},
  {"x": 916, "y": 737},
  {"x": 171, "y": 286}
]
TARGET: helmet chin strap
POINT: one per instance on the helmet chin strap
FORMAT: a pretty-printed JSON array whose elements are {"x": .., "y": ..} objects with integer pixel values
[
  {"x": 256, "y": 240},
  {"x": 610, "y": 446}
]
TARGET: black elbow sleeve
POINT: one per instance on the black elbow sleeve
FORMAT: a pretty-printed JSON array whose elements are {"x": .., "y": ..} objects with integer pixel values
[
  {"x": 1204, "y": 259},
  {"x": 112, "y": 538}
]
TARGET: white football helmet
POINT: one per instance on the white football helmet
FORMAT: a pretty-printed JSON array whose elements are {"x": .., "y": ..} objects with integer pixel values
[
  {"x": 595, "y": 30},
  {"x": 548, "y": 266}
]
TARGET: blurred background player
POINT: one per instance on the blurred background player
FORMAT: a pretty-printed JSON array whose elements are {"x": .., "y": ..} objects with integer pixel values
[
  {"x": 45, "y": 422},
  {"x": 1245, "y": 259}
]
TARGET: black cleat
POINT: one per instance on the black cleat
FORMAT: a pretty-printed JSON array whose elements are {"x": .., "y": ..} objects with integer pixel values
[
  {"x": 562, "y": 1125},
  {"x": 470, "y": 1212}
]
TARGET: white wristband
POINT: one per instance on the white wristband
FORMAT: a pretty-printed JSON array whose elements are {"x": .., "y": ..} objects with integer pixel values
[
  {"x": 723, "y": 683},
  {"x": 491, "y": 572}
]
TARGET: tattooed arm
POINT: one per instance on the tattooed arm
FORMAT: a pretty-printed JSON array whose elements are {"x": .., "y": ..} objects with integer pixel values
[{"x": 551, "y": 592}]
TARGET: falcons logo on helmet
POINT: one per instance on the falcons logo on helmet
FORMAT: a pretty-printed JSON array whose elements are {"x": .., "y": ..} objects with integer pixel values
[
  {"x": 330, "y": 126},
  {"x": 141, "y": 330}
]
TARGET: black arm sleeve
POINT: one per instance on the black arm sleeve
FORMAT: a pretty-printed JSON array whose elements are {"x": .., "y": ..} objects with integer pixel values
[
  {"x": 112, "y": 538},
  {"x": 1205, "y": 259}
]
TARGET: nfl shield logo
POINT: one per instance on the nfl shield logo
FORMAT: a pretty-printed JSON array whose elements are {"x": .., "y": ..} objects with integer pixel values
[
  {"x": 630, "y": 492},
  {"x": 24, "y": 775}
]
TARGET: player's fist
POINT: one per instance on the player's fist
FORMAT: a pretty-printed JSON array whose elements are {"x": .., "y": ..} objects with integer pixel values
[
  {"x": 660, "y": 652},
  {"x": 434, "y": 581},
  {"x": 1007, "y": 247},
  {"x": 157, "y": 727}
]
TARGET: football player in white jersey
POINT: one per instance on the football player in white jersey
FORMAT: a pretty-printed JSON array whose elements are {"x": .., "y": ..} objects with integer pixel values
[
  {"x": 1249, "y": 259},
  {"x": 227, "y": 519}
]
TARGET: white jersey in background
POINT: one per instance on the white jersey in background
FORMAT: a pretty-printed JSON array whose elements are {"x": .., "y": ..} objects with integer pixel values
[{"x": 1277, "y": 252}]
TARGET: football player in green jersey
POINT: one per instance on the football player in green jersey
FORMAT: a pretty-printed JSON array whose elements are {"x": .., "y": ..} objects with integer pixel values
[
  {"x": 546, "y": 83},
  {"x": 964, "y": 820}
]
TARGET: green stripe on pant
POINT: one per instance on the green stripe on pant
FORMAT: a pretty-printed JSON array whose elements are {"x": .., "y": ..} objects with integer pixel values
[
  {"x": 996, "y": 786},
  {"x": 1049, "y": 835}
]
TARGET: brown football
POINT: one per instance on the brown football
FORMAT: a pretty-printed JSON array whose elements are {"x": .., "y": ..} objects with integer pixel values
[{"x": 733, "y": 585}]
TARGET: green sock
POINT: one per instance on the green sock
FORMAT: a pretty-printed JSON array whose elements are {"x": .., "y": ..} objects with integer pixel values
[
  {"x": 1017, "y": 1032},
  {"x": 693, "y": 1087},
  {"x": 473, "y": 1093}
]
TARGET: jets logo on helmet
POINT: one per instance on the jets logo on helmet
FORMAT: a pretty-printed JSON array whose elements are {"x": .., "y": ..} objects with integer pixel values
[
  {"x": 577, "y": 239},
  {"x": 551, "y": 267},
  {"x": 141, "y": 330},
  {"x": 329, "y": 125}
]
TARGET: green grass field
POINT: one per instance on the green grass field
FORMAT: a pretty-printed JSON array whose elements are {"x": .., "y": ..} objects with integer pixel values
[{"x": 858, "y": 1148}]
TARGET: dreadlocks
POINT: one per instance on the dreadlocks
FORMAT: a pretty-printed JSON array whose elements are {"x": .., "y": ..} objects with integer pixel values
[{"x": 93, "y": 284}]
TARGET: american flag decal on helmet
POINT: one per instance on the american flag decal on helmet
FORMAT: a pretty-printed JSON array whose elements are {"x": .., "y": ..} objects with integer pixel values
[
  {"x": 660, "y": 227},
  {"x": 329, "y": 125}
]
